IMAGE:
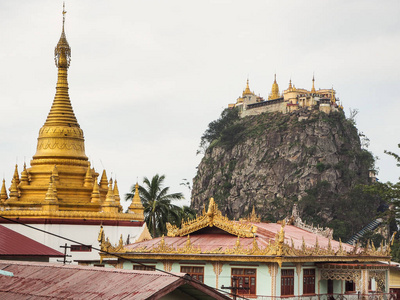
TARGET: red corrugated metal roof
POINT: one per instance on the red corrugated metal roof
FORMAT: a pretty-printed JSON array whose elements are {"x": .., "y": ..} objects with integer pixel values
[
  {"x": 56, "y": 281},
  {"x": 266, "y": 232},
  {"x": 14, "y": 244}
]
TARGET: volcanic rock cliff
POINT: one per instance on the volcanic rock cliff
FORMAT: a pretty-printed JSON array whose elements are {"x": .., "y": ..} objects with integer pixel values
[{"x": 273, "y": 160}]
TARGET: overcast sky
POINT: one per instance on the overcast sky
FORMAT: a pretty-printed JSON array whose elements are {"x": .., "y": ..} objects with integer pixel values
[{"x": 146, "y": 77}]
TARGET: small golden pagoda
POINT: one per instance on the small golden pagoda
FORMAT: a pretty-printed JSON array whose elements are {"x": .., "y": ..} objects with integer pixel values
[
  {"x": 274, "y": 91},
  {"x": 60, "y": 182}
]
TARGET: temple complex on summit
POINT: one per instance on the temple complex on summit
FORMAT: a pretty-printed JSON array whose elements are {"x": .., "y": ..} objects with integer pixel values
[
  {"x": 60, "y": 186},
  {"x": 291, "y": 99}
]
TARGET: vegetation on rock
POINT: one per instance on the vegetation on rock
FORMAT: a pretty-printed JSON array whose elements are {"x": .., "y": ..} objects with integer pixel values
[{"x": 274, "y": 160}]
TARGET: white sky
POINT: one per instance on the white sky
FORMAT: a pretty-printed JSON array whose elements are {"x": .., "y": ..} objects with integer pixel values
[{"x": 147, "y": 77}]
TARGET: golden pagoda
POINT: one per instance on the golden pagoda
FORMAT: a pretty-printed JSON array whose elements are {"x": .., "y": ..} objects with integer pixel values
[
  {"x": 60, "y": 182},
  {"x": 275, "y": 91}
]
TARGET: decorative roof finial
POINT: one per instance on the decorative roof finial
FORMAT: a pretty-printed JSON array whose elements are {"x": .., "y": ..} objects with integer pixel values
[
  {"x": 64, "y": 12},
  {"x": 62, "y": 52},
  {"x": 313, "y": 87}
]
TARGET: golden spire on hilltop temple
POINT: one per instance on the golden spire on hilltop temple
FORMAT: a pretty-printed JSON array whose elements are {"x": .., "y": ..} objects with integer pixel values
[
  {"x": 313, "y": 87},
  {"x": 275, "y": 90},
  {"x": 247, "y": 90},
  {"x": 333, "y": 98},
  {"x": 61, "y": 135}
]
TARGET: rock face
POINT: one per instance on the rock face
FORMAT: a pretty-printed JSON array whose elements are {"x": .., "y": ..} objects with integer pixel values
[{"x": 276, "y": 159}]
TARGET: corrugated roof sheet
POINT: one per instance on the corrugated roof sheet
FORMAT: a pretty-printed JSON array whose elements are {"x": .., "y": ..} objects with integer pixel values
[
  {"x": 33, "y": 280},
  {"x": 14, "y": 244}
]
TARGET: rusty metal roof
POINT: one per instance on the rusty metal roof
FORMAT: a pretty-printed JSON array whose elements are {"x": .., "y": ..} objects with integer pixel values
[
  {"x": 33, "y": 280},
  {"x": 14, "y": 244}
]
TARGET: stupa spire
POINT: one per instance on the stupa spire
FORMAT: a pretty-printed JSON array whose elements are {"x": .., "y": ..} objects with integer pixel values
[
  {"x": 61, "y": 135},
  {"x": 274, "y": 91},
  {"x": 61, "y": 111},
  {"x": 3, "y": 192},
  {"x": 136, "y": 205},
  {"x": 16, "y": 176},
  {"x": 247, "y": 90},
  {"x": 95, "y": 193},
  {"x": 313, "y": 87}
]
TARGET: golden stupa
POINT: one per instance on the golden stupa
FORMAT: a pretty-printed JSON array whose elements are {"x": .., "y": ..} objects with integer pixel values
[
  {"x": 60, "y": 182},
  {"x": 274, "y": 91}
]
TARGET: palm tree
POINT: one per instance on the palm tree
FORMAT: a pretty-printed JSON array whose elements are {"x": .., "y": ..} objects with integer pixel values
[{"x": 156, "y": 201}]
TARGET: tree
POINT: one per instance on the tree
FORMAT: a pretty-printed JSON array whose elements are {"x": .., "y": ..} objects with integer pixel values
[
  {"x": 156, "y": 201},
  {"x": 222, "y": 128}
]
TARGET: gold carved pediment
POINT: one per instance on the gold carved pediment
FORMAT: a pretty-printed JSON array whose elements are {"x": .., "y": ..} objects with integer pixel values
[{"x": 213, "y": 217}]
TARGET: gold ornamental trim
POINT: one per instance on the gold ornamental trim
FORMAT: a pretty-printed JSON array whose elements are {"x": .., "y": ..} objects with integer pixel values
[
  {"x": 277, "y": 248},
  {"x": 213, "y": 217},
  {"x": 71, "y": 215}
]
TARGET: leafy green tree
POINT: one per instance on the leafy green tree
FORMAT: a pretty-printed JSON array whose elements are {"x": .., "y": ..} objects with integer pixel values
[
  {"x": 183, "y": 213},
  {"x": 158, "y": 209},
  {"x": 224, "y": 127}
]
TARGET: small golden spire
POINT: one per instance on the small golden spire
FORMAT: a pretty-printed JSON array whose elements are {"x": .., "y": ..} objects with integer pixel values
[
  {"x": 333, "y": 98},
  {"x": 247, "y": 90},
  {"x": 117, "y": 198},
  {"x": 24, "y": 176},
  {"x": 88, "y": 182},
  {"x": 95, "y": 193},
  {"x": 110, "y": 194},
  {"x": 275, "y": 90},
  {"x": 50, "y": 203},
  {"x": 104, "y": 180},
  {"x": 290, "y": 85},
  {"x": 136, "y": 205},
  {"x": 55, "y": 175},
  {"x": 313, "y": 87},
  {"x": 3, "y": 193},
  {"x": 50, "y": 195},
  {"x": 16, "y": 176},
  {"x": 13, "y": 190}
]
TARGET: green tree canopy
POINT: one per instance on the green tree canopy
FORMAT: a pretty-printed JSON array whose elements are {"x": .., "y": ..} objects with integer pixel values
[
  {"x": 156, "y": 200},
  {"x": 225, "y": 129}
]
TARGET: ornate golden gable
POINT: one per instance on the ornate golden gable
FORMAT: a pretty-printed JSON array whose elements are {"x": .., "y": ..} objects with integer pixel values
[
  {"x": 277, "y": 249},
  {"x": 213, "y": 217}
]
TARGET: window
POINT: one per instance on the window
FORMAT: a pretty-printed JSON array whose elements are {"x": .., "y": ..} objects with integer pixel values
[
  {"x": 245, "y": 280},
  {"x": 350, "y": 286},
  {"x": 287, "y": 283},
  {"x": 194, "y": 272},
  {"x": 81, "y": 248},
  {"x": 309, "y": 281},
  {"x": 143, "y": 268}
]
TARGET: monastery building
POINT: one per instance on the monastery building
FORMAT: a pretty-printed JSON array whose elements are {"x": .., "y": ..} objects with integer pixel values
[{"x": 291, "y": 99}]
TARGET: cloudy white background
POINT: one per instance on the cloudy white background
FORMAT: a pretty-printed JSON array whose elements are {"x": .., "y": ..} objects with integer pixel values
[{"x": 147, "y": 77}]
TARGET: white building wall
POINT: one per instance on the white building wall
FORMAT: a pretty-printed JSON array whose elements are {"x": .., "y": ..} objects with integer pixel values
[{"x": 86, "y": 234}]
